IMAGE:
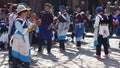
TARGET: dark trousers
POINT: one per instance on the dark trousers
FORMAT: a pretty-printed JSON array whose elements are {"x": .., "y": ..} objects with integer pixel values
[
  {"x": 62, "y": 44},
  {"x": 55, "y": 35},
  {"x": 73, "y": 35},
  {"x": 108, "y": 43},
  {"x": 78, "y": 44},
  {"x": 102, "y": 41},
  {"x": 10, "y": 49},
  {"x": 48, "y": 43},
  {"x": 18, "y": 63}
]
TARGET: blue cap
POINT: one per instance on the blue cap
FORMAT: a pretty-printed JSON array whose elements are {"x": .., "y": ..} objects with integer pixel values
[
  {"x": 99, "y": 9},
  {"x": 62, "y": 7}
]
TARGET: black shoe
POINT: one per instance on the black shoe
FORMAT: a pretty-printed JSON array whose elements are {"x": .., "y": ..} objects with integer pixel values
[
  {"x": 48, "y": 52},
  {"x": 26, "y": 65},
  {"x": 10, "y": 62},
  {"x": 39, "y": 50},
  {"x": 78, "y": 47},
  {"x": 62, "y": 50}
]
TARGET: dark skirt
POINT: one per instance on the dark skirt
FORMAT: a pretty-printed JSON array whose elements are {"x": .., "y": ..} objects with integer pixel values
[
  {"x": 79, "y": 31},
  {"x": 44, "y": 33}
]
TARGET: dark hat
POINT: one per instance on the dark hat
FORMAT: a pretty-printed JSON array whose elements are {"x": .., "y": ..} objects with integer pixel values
[
  {"x": 62, "y": 7},
  {"x": 99, "y": 9},
  {"x": 48, "y": 4}
]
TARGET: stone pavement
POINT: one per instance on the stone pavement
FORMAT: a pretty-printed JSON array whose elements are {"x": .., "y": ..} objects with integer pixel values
[{"x": 72, "y": 58}]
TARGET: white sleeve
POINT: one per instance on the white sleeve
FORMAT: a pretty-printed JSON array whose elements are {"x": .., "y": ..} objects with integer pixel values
[
  {"x": 20, "y": 28},
  {"x": 97, "y": 20}
]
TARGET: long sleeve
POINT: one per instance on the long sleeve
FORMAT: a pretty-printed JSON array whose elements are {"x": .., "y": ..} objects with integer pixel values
[
  {"x": 97, "y": 20},
  {"x": 20, "y": 28},
  {"x": 37, "y": 29},
  {"x": 68, "y": 21}
]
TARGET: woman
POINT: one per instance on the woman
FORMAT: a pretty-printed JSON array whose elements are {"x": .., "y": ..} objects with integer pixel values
[
  {"x": 63, "y": 26},
  {"x": 12, "y": 18},
  {"x": 101, "y": 32},
  {"x": 2, "y": 16},
  {"x": 20, "y": 45},
  {"x": 33, "y": 20},
  {"x": 45, "y": 29},
  {"x": 110, "y": 20},
  {"x": 79, "y": 20}
]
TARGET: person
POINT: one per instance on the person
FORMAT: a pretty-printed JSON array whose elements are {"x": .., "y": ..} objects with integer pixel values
[
  {"x": 109, "y": 6},
  {"x": 110, "y": 20},
  {"x": 79, "y": 21},
  {"x": 63, "y": 26},
  {"x": 116, "y": 6},
  {"x": 115, "y": 21},
  {"x": 89, "y": 23},
  {"x": 12, "y": 18},
  {"x": 9, "y": 7},
  {"x": 118, "y": 28},
  {"x": 20, "y": 44},
  {"x": 33, "y": 20},
  {"x": 2, "y": 16},
  {"x": 101, "y": 32},
  {"x": 71, "y": 27},
  {"x": 45, "y": 29}
]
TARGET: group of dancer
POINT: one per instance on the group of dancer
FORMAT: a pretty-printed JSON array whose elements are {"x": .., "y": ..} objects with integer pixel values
[{"x": 23, "y": 23}]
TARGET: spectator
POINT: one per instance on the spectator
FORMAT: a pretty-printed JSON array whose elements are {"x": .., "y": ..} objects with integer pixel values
[
  {"x": 116, "y": 6},
  {"x": 2, "y": 16},
  {"x": 12, "y": 18},
  {"x": 33, "y": 20},
  {"x": 118, "y": 27}
]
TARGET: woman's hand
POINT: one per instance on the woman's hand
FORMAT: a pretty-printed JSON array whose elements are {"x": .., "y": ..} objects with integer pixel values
[{"x": 32, "y": 28}]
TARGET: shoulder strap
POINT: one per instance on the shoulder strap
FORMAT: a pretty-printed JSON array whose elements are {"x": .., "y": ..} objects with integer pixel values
[
  {"x": 62, "y": 15},
  {"x": 22, "y": 22}
]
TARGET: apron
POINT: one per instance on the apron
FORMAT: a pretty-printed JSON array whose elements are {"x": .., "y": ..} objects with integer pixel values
[
  {"x": 20, "y": 45},
  {"x": 44, "y": 33},
  {"x": 21, "y": 48},
  {"x": 62, "y": 31},
  {"x": 79, "y": 30},
  {"x": 104, "y": 31}
]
